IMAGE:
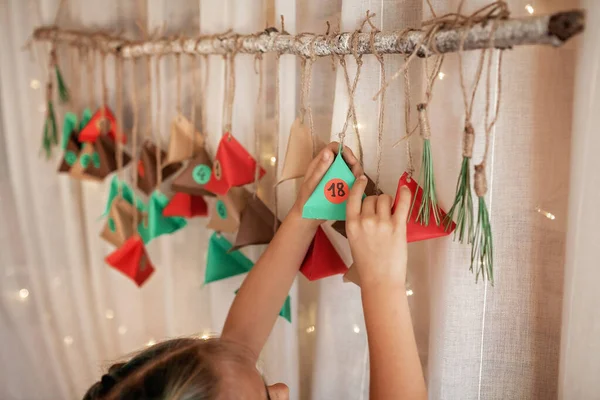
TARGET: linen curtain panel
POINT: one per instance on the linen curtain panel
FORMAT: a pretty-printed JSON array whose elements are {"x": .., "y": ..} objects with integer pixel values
[{"x": 65, "y": 315}]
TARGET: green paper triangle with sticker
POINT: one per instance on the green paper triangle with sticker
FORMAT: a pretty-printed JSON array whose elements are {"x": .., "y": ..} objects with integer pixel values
[
  {"x": 222, "y": 265},
  {"x": 328, "y": 201},
  {"x": 158, "y": 224},
  {"x": 85, "y": 118},
  {"x": 286, "y": 310},
  {"x": 128, "y": 195},
  {"x": 69, "y": 126}
]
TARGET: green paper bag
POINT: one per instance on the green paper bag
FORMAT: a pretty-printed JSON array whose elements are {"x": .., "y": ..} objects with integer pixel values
[
  {"x": 128, "y": 195},
  {"x": 286, "y": 310},
  {"x": 328, "y": 201},
  {"x": 158, "y": 224},
  {"x": 220, "y": 264}
]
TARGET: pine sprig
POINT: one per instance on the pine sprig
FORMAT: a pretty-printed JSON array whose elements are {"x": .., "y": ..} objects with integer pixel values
[
  {"x": 463, "y": 205},
  {"x": 63, "y": 91},
  {"x": 50, "y": 137},
  {"x": 482, "y": 250}
]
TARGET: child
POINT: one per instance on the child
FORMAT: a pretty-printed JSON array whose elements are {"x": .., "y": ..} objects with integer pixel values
[{"x": 224, "y": 368}]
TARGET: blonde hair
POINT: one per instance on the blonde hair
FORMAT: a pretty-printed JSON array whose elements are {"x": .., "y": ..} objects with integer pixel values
[{"x": 179, "y": 369}]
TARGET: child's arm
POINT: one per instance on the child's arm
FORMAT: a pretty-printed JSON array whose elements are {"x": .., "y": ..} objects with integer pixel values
[
  {"x": 378, "y": 245},
  {"x": 259, "y": 300}
]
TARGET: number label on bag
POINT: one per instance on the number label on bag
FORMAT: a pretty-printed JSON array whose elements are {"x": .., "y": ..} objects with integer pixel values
[{"x": 336, "y": 191}]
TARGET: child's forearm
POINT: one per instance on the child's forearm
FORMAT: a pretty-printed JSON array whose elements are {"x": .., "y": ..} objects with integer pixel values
[
  {"x": 396, "y": 371},
  {"x": 259, "y": 300}
]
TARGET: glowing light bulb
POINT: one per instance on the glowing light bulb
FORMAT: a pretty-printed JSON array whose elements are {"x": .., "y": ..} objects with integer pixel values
[
  {"x": 34, "y": 84},
  {"x": 122, "y": 330},
  {"x": 273, "y": 160},
  {"x": 205, "y": 336},
  {"x": 68, "y": 340},
  {"x": 529, "y": 8},
  {"x": 409, "y": 292},
  {"x": 356, "y": 329},
  {"x": 151, "y": 342},
  {"x": 545, "y": 213},
  {"x": 23, "y": 294},
  {"x": 310, "y": 329},
  {"x": 109, "y": 314},
  {"x": 441, "y": 75}
]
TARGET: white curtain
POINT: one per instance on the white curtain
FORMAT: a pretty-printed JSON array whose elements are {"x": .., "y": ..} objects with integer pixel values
[{"x": 65, "y": 315}]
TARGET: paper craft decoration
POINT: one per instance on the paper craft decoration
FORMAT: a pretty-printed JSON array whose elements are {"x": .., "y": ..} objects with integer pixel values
[
  {"x": 194, "y": 176},
  {"x": 233, "y": 166},
  {"x": 158, "y": 224},
  {"x": 146, "y": 168},
  {"x": 299, "y": 152},
  {"x": 99, "y": 159},
  {"x": 370, "y": 190},
  {"x": 103, "y": 122},
  {"x": 119, "y": 224},
  {"x": 223, "y": 264},
  {"x": 328, "y": 201},
  {"x": 184, "y": 140},
  {"x": 132, "y": 260},
  {"x": 257, "y": 225},
  {"x": 186, "y": 205},
  {"x": 225, "y": 211},
  {"x": 128, "y": 195},
  {"x": 414, "y": 230},
  {"x": 352, "y": 275},
  {"x": 322, "y": 259},
  {"x": 286, "y": 310},
  {"x": 69, "y": 144}
]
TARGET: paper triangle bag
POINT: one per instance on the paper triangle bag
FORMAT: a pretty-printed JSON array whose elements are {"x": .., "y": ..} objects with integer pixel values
[
  {"x": 102, "y": 123},
  {"x": 158, "y": 224},
  {"x": 119, "y": 224},
  {"x": 414, "y": 230},
  {"x": 184, "y": 140},
  {"x": 146, "y": 168},
  {"x": 194, "y": 176},
  {"x": 322, "y": 259},
  {"x": 78, "y": 169},
  {"x": 286, "y": 309},
  {"x": 328, "y": 201},
  {"x": 299, "y": 152},
  {"x": 128, "y": 195},
  {"x": 186, "y": 205},
  {"x": 233, "y": 166},
  {"x": 103, "y": 159},
  {"x": 370, "y": 190},
  {"x": 257, "y": 225},
  {"x": 222, "y": 264},
  {"x": 132, "y": 260},
  {"x": 226, "y": 211},
  {"x": 70, "y": 154}
]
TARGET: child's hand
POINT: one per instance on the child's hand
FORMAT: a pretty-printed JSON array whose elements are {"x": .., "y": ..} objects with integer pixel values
[
  {"x": 377, "y": 238},
  {"x": 316, "y": 170}
]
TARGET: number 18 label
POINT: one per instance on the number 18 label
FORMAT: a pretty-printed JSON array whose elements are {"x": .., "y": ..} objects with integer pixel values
[{"x": 336, "y": 191}]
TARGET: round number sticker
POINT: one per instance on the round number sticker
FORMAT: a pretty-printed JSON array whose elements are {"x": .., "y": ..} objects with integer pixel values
[
  {"x": 70, "y": 157},
  {"x": 221, "y": 209},
  {"x": 217, "y": 169},
  {"x": 85, "y": 160},
  {"x": 336, "y": 191},
  {"x": 111, "y": 225},
  {"x": 140, "y": 169},
  {"x": 201, "y": 174},
  {"x": 96, "y": 160}
]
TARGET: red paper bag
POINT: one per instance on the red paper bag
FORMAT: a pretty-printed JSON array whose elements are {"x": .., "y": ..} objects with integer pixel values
[
  {"x": 322, "y": 259},
  {"x": 186, "y": 205},
  {"x": 233, "y": 166},
  {"x": 132, "y": 260},
  {"x": 103, "y": 122},
  {"x": 414, "y": 230}
]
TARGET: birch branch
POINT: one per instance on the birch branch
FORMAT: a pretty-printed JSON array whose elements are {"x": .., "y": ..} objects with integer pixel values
[{"x": 554, "y": 29}]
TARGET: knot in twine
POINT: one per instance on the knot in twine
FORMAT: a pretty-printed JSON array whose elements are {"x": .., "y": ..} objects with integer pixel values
[
  {"x": 423, "y": 121},
  {"x": 480, "y": 180},
  {"x": 468, "y": 140}
]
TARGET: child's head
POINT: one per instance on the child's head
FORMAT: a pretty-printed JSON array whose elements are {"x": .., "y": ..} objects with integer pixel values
[{"x": 187, "y": 369}]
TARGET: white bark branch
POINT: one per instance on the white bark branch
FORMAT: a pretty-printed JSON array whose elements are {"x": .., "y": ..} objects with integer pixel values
[{"x": 553, "y": 29}]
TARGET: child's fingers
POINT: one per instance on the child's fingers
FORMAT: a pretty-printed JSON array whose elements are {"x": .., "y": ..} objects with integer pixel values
[
  {"x": 321, "y": 166},
  {"x": 349, "y": 156},
  {"x": 353, "y": 207},
  {"x": 369, "y": 206},
  {"x": 384, "y": 206},
  {"x": 331, "y": 147},
  {"x": 403, "y": 206}
]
